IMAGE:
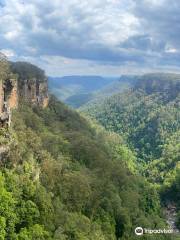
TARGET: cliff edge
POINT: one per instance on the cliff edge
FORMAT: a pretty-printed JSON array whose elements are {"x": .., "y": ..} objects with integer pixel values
[
  {"x": 20, "y": 81},
  {"x": 32, "y": 83}
]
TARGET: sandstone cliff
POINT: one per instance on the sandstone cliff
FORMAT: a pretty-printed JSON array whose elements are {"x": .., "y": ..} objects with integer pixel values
[
  {"x": 20, "y": 81},
  {"x": 32, "y": 83},
  {"x": 8, "y": 91}
]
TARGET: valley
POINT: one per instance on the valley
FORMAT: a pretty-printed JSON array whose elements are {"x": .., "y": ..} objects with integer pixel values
[
  {"x": 77, "y": 91},
  {"x": 94, "y": 174},
  {"x": 89, "y": 120}
]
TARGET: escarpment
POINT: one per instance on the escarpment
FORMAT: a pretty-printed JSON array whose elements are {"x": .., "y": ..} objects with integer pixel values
[
  {"x": 8, "y": 92},
  {"x": 20, "y": 81},
  {"x": 32, "y": 83},
  {"x": 162, "y": 83}
]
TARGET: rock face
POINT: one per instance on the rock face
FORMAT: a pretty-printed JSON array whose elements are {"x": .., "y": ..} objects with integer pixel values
[
  {"x": 171, "y": 214},
  {"x": 34, "y": 92},
  {"x": 13, "y": 94},
  {"x": 159, "y": 83},
  {"x": 20, "y": 81},
  {"x": 8, "y": 92},
  {"x": 32, "y": 83}
]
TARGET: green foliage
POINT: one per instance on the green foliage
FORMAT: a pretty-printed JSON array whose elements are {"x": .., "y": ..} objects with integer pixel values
[
  {"x": 27, "y": 71},
  {"x": 34, "y": 232},
  {"x": 148, "y": 118},
  {"x": 2, "y": 228},
  {"x": 4, "y": 67},
  {"x": 66, "y": 178}
]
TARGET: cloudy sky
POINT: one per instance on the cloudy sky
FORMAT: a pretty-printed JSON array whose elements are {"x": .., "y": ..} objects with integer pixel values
[{"x": 102, "y": 37}]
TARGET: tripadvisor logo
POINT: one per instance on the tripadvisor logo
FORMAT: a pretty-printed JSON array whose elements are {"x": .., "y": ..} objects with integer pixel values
[{"x": 139, "y": 231}]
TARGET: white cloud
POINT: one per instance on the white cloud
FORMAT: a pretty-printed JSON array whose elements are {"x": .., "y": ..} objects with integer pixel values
[
  {"x": 8, "y": 52},
  {"x": 101, "y": 22},
  {"x": 12, "y": 35},
  {"x": 170, "y": 49},
  {"x": 89, "y": 35},
  {"x": 155, "y": 2}
]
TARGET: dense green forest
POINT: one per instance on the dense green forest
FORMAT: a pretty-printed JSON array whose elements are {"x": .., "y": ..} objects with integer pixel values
[
  {"x": 64, "y": 177},
  {"x": 89, "y": 120},
  {"x": 148, "y": 118}
]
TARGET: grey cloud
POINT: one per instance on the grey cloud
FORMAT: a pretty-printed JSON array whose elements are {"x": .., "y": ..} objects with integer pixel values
[
  {"x": 72, "y": 31},
  {"x": 161, "y": 21},
  {"x": 144, "y": 43},
  {"x": 141, "y": 32}
]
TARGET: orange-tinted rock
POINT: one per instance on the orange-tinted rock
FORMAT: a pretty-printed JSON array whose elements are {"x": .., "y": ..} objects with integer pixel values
[
  {"x": 32, "y": 83},
  {"x": 8, "y": 100},
  {"x": 1, "y": 96},
  {"x": 13, "y": 97},
  {"x": 45, "y": 102}
]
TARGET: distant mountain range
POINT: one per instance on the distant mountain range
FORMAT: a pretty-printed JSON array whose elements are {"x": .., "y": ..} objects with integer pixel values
[{"x": 79, "y": 90}]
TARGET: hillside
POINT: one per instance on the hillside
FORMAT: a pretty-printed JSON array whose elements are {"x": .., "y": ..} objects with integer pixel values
[
  {"x": 148, "y": 118},
  {"x": 64, "y": 177},
  {"x": 61, "y": 172},
  {"x": 149, "y": 110},
  {"x": 124, "y": 83}
]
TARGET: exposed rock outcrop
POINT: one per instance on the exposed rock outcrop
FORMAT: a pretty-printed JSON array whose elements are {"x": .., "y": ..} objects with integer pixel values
[
  {"x": 169, "y": 84},
  {"x": 171, "y": 214},
  {"x": 8, "y": 92},
  {"x": 32, "y": 83},
  {"x": 18, "y": 81}
]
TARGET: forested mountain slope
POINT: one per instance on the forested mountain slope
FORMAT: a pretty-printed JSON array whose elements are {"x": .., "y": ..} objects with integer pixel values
[
  {"x": 121, "y": 85},
  {"x": 147, "y": 115},
  {"x": 148, "y": 118},
  {"x": 65, "y": 178},
  {"x": 68, "y": 179}
]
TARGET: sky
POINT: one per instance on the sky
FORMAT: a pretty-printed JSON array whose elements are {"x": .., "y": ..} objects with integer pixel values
[{"x": 92, "y": 37}]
